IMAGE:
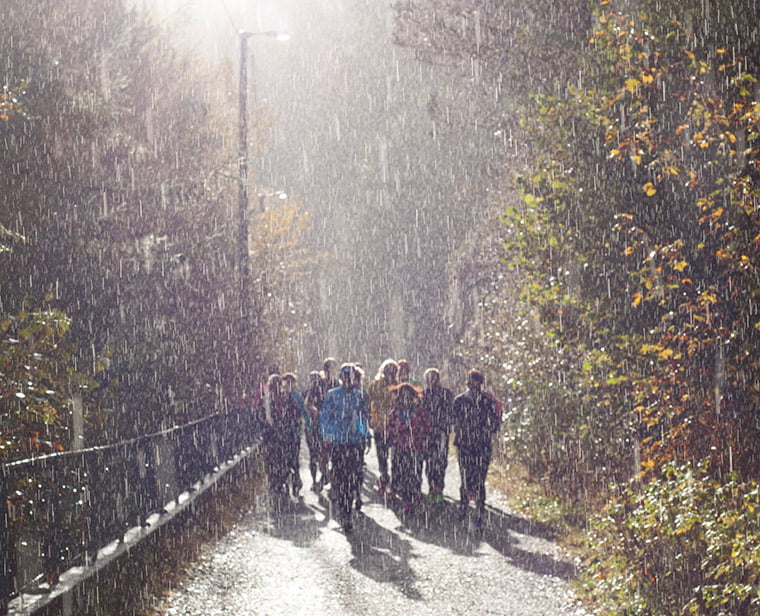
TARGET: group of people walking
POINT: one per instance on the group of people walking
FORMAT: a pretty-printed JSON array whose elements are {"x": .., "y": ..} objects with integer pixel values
[{"x": 411, "y": 426}]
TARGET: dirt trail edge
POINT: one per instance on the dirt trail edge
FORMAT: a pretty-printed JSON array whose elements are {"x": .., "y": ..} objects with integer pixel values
[{"x": 295, "y": 559}]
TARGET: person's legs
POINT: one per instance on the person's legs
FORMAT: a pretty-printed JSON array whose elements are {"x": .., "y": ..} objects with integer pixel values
[
  {"x": 397, "y": 471},
  {"x": 381, "y": 447},
  {"x": 294, "y": 452},
  {"x": 408, "y": 470},
  {"x": 479, "y": 486},
  {"x": 436, "y": 461},
  {"x": 346, "y": 461},
  {"x": 466, "y": 463},
  {"x": 339, "y": 475},
  {"x": 278, "y": 464},
  {"x": 359, "y": 480},
  {"x": 415, "y": 475},
  {"x": 311, "y": 443},
  {"x": 443, "y": 463},
  {"x": 428, "y": 463}
]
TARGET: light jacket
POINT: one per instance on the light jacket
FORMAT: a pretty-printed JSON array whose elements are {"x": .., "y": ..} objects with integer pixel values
[
  {"x": 344, "y": 418},
  {"x": 381, "y": 401}
]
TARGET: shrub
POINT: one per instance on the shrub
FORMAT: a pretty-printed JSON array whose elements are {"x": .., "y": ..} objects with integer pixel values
[{"x": 684, "y": 543}]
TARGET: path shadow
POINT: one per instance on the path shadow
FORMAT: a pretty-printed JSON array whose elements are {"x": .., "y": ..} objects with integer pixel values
[
  {"x": 291, "y": 519},
  {"x": 382, "y": 555},
  {"x": 438, "y": 524}
]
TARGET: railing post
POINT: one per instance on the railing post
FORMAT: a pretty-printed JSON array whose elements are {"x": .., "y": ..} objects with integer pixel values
[
  {"x": 6, "y": 571},
  {"x": 92, "y": 463}
]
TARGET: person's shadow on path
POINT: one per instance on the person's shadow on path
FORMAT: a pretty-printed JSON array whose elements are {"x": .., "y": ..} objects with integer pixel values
[
  {"x": 438, "y": 524},
  {"x": 377, "y": 552},
  {"x": 382, "y": 555},
  {"x": 293, "y": 520}
]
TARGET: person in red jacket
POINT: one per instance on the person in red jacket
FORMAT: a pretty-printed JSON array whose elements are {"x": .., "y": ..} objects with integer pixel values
[{"x": 407, "y": 432}]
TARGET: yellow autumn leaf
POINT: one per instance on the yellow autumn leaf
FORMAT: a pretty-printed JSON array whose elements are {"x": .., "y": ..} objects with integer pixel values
[
  {"x": 665, "y": 354},
  {"x": 647, "y": 465},
  {"x": 637, "y": 297},
  {"x": 649, "y": 189},
  {"x": 647, "y": 78},
  {"x": 631, "y": 84},
  {"x": 636, "y": 159},
  {"x": 680, "y": 266}
]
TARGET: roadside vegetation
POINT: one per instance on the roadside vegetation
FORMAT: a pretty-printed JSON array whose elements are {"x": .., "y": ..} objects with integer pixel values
[{"x": 632, "y": 240}]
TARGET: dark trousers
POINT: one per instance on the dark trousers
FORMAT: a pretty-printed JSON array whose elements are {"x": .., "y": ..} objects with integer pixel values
[
  {"x": 382, "y": 454},
  {"x": 279, "y": 451},
  {"x": 473, "y": 467},
  {"x": 317, "y": 460},
  {"x": 406, "y": 480},
  {"x": 293, "y": 452},
  {"x": 436, "y": 460},
  {"x": 345, "y": 473}
]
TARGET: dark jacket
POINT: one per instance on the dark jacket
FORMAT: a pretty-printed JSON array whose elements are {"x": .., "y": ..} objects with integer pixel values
[
  {"x": 476, "y": 419},
  {"x": 439, "y": 405}
]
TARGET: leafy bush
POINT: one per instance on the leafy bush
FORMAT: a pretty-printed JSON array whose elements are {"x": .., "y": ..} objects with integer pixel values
[{"x": 684, "y": 543}]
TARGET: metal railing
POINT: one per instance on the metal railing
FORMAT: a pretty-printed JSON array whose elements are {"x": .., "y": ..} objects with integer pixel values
[{"x": 59, "y": 510}]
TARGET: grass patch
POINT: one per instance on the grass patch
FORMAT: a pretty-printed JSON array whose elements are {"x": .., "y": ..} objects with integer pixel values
[{"x": 531, "y": 499}]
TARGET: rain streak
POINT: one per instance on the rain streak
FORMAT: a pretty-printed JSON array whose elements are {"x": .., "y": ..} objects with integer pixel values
[{"x": 407, "y": 307}]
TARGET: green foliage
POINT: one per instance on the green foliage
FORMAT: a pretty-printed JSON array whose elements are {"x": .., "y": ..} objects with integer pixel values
[
  {"x": 37, "y": 380},
  {"x": 118, "y": 175},
  {"x": 636, "y": 247},
  {"x": 684, "y": 543},
  {"x": 636, "y": 242}
]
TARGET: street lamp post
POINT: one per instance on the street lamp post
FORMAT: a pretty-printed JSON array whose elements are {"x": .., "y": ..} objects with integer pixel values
[
  {"x": 244, "y": 264},
  {"x": 244, "y": 268}
]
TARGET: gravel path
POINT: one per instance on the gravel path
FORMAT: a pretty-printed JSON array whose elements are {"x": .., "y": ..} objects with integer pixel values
[{"x": 299, "y": 561}]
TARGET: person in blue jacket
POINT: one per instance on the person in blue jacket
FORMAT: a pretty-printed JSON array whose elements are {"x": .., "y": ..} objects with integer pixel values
[{"x": 345, "y": 433}]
